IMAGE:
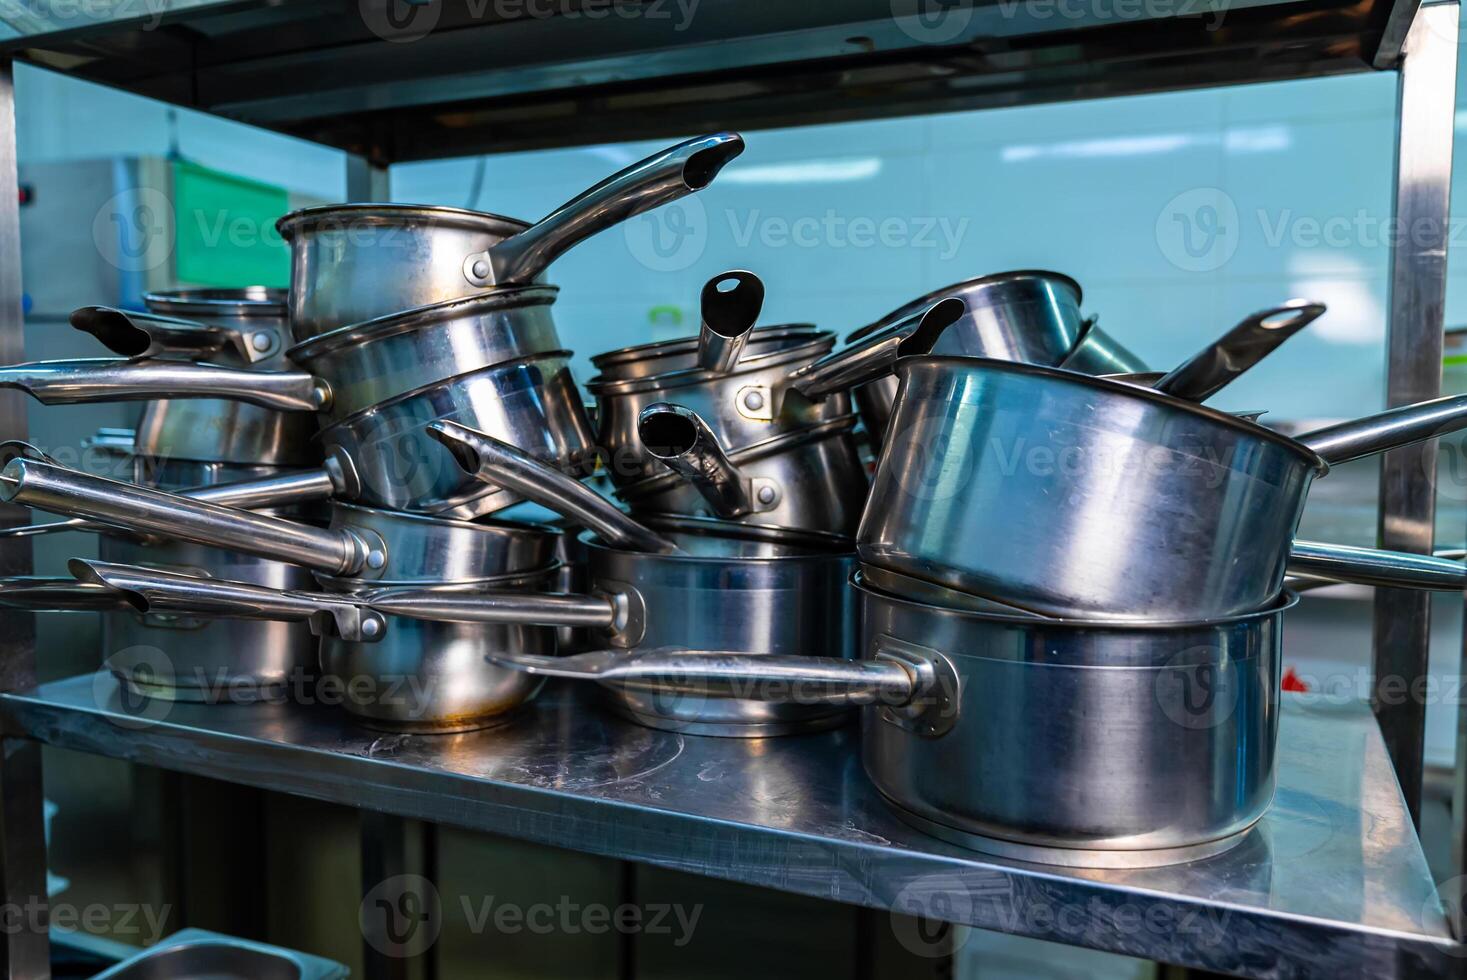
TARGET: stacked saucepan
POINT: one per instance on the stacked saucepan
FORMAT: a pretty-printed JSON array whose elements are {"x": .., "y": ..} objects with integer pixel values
[
  {"x": 1056, "y": 604},
  {"x": 1070, "y": 594}
]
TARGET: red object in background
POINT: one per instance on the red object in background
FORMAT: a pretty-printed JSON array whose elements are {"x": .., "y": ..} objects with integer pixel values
[
  {"x": 1293, "y": 683},
  {"x": 27, "y": 194}
]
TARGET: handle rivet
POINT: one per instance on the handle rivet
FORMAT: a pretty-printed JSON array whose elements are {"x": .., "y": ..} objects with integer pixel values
[
  {"x": 370, "y": 628},
  {"x": 481, "y": 269},
  {"x": 767, "y": 495},
  {"x": 753, "y": 401},
  {"x": 376, "y": 559},
  {"x": 262, "y": 341}
]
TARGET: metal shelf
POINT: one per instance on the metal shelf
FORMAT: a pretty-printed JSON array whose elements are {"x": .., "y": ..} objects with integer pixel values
[
  {"x": 341, "y": 74},
  {"x": 1332, "y": 883}
]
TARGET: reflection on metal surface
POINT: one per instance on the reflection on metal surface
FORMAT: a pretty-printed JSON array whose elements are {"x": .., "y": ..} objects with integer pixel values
[{"x": 1331, "y": 878}]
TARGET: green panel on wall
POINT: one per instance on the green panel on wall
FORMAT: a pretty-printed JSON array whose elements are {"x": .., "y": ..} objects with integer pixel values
[{"x": 226, "y": 229}]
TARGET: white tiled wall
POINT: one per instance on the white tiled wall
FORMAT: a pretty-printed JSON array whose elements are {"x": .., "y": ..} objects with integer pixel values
[{"x": 1299, "y": 174}]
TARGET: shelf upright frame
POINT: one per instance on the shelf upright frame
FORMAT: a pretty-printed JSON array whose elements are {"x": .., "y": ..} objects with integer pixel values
[
  {"x": 1425, "y": 119},
  {"x": 26, "y": 948}
]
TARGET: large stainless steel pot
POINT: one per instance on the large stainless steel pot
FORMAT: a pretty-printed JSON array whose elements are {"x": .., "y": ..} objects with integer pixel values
[
  {"x": 1075, "y": 743},
  {"x": 1075, "y": 496},
  {"x": 361, "y": 545},
  {"x": 357, "y": 262},
  {"x": 690, "y": 582},
  {"x": 391, "y": 672}
]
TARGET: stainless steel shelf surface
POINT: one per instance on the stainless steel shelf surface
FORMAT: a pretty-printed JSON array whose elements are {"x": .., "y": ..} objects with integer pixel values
[
  {"x": 393, "y": 82},
  {"x": 1331, "y": 883}
]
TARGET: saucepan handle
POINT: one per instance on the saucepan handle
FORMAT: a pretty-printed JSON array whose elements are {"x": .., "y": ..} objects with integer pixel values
[
  {"x": 504, "y": 608},
  {"x": 157, "y": 590},
  {"x": 493, "y": 461},
  {"x": 680, "y": 438},
  {"x": 1370, "y": 566},
  {"x": 876, "y": 355},
  {"x": 664, "y": 177},
  {"x": 142, "y": 335},
  {"x": 1388, "y": 430},
  {"x": 90, "y": 380},
  {"x": 48, "y": 594},
  {"x": 728, "y": 318},
  {"x": 1209, "y": 370},
  {"x": 143, "y": 510}
]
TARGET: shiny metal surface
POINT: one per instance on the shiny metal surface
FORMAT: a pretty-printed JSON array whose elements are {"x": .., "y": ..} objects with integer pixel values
[
  {"x": 730, "y": 303},
  {"x": 181, "y": 657},
  {"x": 285, "y": 489},
  {"x": 784, "y": 343},
  {"x": 86, "y": 380},
  {"x": 488, "y": 459},
  {"x": 354, "y": 263},
  {"x": 1074, "y": 496},
  {"x": 147, "y": 335},
  {"x": 742, "y": 407},
  {"x": 873, "y": 357},
  {"x": 1030, "y": 315},
  {"x": 683, "y": 441},
  {"x": 815, "y": 472},
  {"x": 1208, "y": 371},
  {"x": 1193, "y": 711},
  {"x": 197, "y": 954},
  {"x": 370, "y": 363},
  {"x": 39, "y": 593},
  {"x": 1383, "y": 569},
  {"x": 533, "y": 404},
  {"x": 152, "y": 589},
  {"x": 335, "y": 551},
  {"x": 728, "y": 591},
  {"x": 230, "y": 431},
  {"x": 1330, "y": 883},
  {"x": 1099, "y": 353}
]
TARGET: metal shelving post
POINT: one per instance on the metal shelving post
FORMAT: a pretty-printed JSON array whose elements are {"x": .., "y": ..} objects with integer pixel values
[{"x": 22, "y": 827}]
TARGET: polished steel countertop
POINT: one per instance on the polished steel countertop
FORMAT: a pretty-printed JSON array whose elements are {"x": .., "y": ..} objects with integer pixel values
[{"x": 1331, "y": 883}]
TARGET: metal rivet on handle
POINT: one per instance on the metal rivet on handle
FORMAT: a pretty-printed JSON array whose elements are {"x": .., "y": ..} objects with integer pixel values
[
  {"x": 754, "y": 400},
  {"x": 481, "y": 269}
]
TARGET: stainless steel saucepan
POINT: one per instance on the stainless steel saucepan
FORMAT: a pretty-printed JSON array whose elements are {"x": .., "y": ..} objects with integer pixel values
[
  {"x": 1068, "y": 742},
  {"x": 687, "y": 582},
  {"x": 356, "y": 262},
  {"x": 1075, "y": 496},
  {"x": 396, "y": 673}
]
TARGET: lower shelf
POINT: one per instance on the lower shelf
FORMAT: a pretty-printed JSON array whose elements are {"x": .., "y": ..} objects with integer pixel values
[{"x": 1331, "y": 883}]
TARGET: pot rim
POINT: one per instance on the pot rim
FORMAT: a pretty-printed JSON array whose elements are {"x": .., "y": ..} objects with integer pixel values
[
  {"x": 813, "y": 343},
  {"x": 487, "y": 301},
  {"x": 1314, "y": 460},
  {"x": 1286, "y": 600},
  {"x": 248, "y": 301},
  {"x": 309, "y": 219},
  {"x": 821, "y": 545},
  {"x": 926, "y": 299}
]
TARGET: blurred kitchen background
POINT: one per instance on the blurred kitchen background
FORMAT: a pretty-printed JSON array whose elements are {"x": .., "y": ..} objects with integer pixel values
[{"x": 1177, "y": 213}]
